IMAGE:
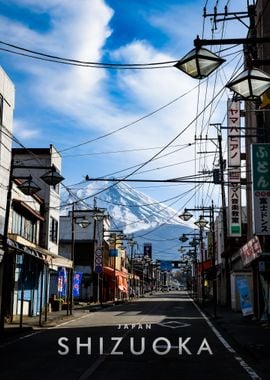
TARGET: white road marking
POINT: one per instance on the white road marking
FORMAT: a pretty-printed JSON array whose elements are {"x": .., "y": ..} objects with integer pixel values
[
  {"x": 18, "y": 339},
  {"x": 243, "y": 364}
]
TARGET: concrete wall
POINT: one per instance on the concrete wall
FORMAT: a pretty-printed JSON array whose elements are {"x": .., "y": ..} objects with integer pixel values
[{"x": 7, "y": 93}]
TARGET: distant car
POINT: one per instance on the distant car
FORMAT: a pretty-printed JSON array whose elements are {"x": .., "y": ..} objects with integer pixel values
[{"x": 165, "y": 288}]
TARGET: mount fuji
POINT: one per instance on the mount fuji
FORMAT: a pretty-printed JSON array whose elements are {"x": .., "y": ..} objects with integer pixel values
[{"x": 140, "y": 216}]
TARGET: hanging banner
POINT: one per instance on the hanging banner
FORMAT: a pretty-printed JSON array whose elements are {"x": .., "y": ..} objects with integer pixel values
[
  {"x": 77, "y": 279},
  {"x": 260, "y": 159},
  {"x": 147, "y": 250},
  {"x": 62, "y": 282},
  {"x": 234, "y": 170},
  {"x": 245, "y": 296}
]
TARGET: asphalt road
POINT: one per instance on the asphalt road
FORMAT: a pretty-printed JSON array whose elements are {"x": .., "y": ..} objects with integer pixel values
[{"x": 164, "y": 336}]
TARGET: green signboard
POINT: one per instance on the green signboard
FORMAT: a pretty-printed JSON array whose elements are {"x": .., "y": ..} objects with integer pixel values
[{"x": 260, "y": 154}]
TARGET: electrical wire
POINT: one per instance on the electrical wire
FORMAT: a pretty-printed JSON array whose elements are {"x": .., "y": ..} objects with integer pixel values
[
  {"x": 156, "y": 155},
  {"x": 122, "y": 151},
  {"x": 69, "y": 61}
]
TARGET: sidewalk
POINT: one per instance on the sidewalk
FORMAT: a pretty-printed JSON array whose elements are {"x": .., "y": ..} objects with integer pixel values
[
  {"x": 14, "y": 330},
  {"x": 247, "y": 334}
]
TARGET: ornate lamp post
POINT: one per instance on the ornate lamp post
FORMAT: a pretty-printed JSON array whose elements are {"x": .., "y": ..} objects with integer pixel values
[
  {"x": 184, "y": 238},
  {"x": 83, "y": 222},
  {"x": 201, "y": 223},
  {"x": 99, "y": 216}
]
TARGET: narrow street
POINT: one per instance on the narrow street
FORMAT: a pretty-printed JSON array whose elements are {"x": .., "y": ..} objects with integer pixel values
[{"x": 160, "y": 336}]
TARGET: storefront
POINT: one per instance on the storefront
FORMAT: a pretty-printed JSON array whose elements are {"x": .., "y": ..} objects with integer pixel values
[
  {"x": 109, "y": 290},
  {"x": 29, "y": 275}
]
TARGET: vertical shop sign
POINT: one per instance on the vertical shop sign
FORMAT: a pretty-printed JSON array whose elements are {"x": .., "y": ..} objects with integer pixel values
[
  {"x": 99, "y": 260},
  {"x": 234, "y": 173},
  {"x": 260, "y": 154}
]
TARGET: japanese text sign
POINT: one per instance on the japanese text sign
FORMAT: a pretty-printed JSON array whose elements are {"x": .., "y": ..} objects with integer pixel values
[{"x": 260, "y": 154}]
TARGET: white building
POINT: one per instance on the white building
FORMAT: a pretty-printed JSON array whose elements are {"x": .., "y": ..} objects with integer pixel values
[
  {"x": 41, "y": 159},
  {"x": 7, "y": 99}
]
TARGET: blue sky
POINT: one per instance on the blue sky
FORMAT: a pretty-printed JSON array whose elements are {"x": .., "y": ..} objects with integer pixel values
[{"x": 67, "y": 105}]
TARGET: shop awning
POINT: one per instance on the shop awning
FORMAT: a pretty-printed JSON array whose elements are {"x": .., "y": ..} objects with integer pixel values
[
  {"x": 110, "y": 272},
  {"x": 121, "y": 278},
  {"x": 204, "y": 266},
  {"x": 50, "y": 258},
  {"x": 21, "y": 248}
]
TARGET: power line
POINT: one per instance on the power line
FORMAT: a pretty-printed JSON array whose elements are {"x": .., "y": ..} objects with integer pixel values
[{"x": 69, "y": 61}]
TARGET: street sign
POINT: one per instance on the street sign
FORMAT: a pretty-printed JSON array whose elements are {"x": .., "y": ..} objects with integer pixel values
[
  {"x": 98, "y": 260},
  {"x": 166, "y": 266},
  {"x": 113, "y": 252}
]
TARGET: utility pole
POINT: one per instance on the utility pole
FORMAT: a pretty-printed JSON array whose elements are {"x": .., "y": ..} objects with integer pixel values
[{"x": 221, "y": 181}]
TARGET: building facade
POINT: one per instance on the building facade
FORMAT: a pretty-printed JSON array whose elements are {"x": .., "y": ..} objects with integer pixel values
[{"x": 7, "y": 104}]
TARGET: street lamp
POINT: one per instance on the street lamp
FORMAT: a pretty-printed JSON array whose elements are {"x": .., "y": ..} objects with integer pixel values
[
  {"x": 181, "y": 249},
  {"x": 83, "y": 222},
  {"x": 184, "y": 238},
  {"x": 185, "y": 216},
  {"x": 199, "y": 63},
  {"x": 250, "y": 84},
  {"x": 201, "y": 222},
  {"x": 98, "y": 250},
  {"x": 29, "y": 187}
]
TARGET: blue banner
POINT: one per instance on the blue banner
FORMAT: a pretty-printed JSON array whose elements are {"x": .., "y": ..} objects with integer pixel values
[
  {"x": 77, "y": 279},
  {"x": 245, "y": 297},
  {"x": 62, "y": 282}
]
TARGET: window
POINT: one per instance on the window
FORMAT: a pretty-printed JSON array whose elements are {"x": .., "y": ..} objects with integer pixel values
[
  {"x": 53, "y": 230},
  {"x": 25, "y": 227}
]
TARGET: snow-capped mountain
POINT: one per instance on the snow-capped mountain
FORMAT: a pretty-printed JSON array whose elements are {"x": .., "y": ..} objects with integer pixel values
[{"x": 139, "y": 215}]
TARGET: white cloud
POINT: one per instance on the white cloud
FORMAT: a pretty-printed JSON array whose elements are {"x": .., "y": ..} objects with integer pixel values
[
  {"x": 96, "y": 101},
  {"x": 79, "y": 30},
  {"x": 23, "y": 131}
]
